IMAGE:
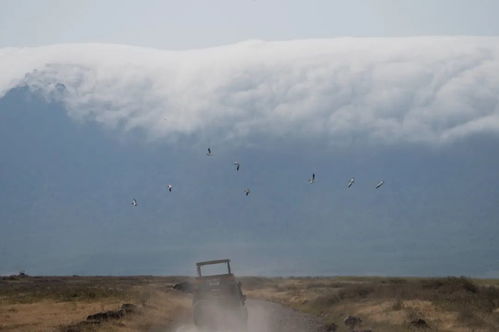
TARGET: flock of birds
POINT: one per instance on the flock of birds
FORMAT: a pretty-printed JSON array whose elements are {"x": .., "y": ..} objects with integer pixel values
[{"x": 247, "y": 191}]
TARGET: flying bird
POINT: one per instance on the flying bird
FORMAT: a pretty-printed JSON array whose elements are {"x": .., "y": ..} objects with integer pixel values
[
  {"x": 237, "y": 164},
  {"x": 134, "y": 202},
  {"x": 312, "y": 180},
  {"x": 351, "y": 182},
  {"x": 380, "y": 183},
  {"x": 170, "y": 187},
  {"x": 209, "y": 153},
  {"x": 247, "y": 191}
]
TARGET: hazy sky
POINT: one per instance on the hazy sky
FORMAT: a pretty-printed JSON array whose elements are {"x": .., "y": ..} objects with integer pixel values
[
  {"x": 195, "y": 24},
  {"x": 84, "y": 128}
]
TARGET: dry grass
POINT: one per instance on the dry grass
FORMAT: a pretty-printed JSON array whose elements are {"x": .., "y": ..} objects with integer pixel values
[
  {"x": 389, "y": 304},
  {"x": 383, "y": 304},
  {"x": 63, "y": 303}
]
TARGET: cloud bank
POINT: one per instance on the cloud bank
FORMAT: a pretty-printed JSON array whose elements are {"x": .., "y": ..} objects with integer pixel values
[{"x": 429, "y": 89}]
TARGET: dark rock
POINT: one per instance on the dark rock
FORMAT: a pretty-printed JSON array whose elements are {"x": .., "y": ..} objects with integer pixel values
[
  {"x": 331, "y": 327},
  {"x": 107, "y": 315},
  {"x": 129, "y": 308},
  {"x": 126, "y": 308},
  {"x": 352, "y": 321},
  {"x": 419, "y": 323},
  {"x": 95, "y": 319},
  {"x": 185, "y": 286}
]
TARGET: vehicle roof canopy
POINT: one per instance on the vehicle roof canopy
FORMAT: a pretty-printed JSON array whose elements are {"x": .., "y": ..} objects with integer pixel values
[{"x": 217, "y": 261}]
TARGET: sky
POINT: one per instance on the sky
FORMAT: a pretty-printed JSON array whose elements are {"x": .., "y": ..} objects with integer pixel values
[
  {"x": 198, "y": 24},
  {"x": 103, "y": 102}
]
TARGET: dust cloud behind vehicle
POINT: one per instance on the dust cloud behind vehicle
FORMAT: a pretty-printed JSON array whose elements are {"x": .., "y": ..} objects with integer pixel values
[{"x": 218, "y": 301}]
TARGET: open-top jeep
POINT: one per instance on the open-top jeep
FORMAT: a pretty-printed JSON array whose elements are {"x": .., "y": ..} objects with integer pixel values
[{"x": 218, "y": 302}]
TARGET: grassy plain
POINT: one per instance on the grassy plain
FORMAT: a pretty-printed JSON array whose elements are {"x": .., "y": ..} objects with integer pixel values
[
  {"x": 383, "y": 304},
  {"x": 63, "y": 303},
  {"x": 389, "y": 304}
]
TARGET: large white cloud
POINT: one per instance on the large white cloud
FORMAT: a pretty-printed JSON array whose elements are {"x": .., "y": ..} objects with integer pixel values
[{"x": 427, "y": 89}]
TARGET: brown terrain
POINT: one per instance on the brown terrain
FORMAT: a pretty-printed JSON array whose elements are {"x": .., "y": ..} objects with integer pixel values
[
  {"x": 145, "y": 303},
  {"x": 64, "y": 303}
]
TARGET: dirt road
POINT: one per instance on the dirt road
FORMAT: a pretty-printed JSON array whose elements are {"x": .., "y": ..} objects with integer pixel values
[{"x": 266, "y": 316}]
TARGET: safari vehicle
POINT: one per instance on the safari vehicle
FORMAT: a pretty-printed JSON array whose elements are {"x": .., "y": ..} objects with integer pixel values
[{"x": 218, "y": 302}]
